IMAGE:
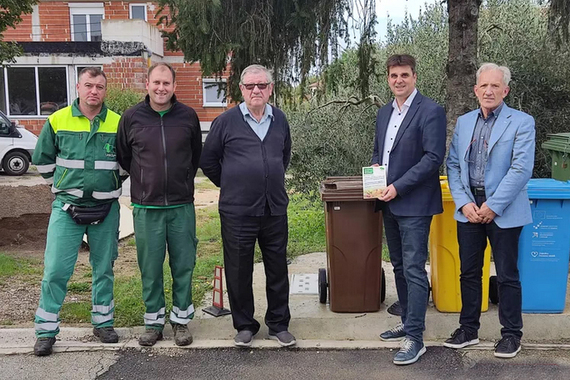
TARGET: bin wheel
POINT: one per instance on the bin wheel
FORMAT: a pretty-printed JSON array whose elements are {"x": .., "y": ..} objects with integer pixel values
[
  {"x": 323, "y": 285},
  {"x": 383, "y": 290},
  {"x": 493, "y": 290}
]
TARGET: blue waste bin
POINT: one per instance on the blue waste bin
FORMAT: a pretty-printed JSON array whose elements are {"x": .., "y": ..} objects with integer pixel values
[{"x": 544, "y": 247}]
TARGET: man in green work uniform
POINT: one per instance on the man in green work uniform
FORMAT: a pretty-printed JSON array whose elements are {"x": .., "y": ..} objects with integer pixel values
[
  {"x": 75, "y": 153},
  {"x": 159, "y": 143}
]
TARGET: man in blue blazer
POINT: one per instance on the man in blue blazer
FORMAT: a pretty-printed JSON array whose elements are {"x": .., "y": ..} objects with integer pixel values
[
  {"x": 410, "y": 142},
  {"x": 490, "y": 162}
]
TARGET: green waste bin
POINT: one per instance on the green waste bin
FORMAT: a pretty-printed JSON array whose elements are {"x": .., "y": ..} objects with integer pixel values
[{"x": 558, "y": 145}]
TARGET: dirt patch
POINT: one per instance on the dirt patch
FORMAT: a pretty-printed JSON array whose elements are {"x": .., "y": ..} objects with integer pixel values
[
  {"x": 26, "y": 233},
  {"x": 16, "y": 201},
  {"x": 24, "y": 216},
  {"x": 205, "y": 198},
  {"x": 19, "y": 299}
]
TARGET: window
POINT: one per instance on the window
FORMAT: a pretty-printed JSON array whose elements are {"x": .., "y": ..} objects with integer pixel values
[
  {"x": 86, "y": 21},
  {"x": 214, "y": 92},
  {"x": 4, "y": 126},
  {"x": 34, "y": 91},
  {"x": 2, "y": 92},
  {"x": 137, "y": 11}
]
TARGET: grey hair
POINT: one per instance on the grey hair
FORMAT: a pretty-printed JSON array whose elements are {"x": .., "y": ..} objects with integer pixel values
[
  {"x": 257, "y": 69},
  {"x": 491, "y": 66}
]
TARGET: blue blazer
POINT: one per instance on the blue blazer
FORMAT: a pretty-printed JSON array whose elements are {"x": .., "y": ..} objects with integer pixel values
[
  {"x": 509, "y": 166},
  {"x": 417, "y": 154}
]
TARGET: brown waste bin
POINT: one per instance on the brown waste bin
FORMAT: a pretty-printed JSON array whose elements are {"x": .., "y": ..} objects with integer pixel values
[{"x": 355, "y": 278}]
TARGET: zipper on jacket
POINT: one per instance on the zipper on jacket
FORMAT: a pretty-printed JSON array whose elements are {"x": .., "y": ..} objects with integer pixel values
[
  {"x": 266, "y": 172},
  {"x": 142, "y": 185},
  {"x": 116, "y": 180},
  {"x": 165, "y": 162},
  {"x": 61, "y": 179}
]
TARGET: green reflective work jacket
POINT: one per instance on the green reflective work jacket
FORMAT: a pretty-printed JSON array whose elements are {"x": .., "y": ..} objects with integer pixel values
[{"x": 78, "y": 156}]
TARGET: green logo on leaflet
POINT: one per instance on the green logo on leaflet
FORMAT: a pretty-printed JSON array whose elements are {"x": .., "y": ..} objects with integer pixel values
[
  {"x": 368, "y": 170},
  {"x": 110, "y": 150}
]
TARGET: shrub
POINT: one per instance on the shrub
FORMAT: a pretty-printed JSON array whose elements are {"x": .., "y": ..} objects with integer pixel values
[{"x": 119, "y": 99}]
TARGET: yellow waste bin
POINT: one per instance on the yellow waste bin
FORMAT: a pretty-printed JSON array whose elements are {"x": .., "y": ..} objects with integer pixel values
[{"x": 444, "y": 259}]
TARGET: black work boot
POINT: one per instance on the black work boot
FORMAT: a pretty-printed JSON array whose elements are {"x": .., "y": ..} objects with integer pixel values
[
  {"x": 43, "y": 346},
  {"x": 106, "y": 334},
  {"x": 182, "y": 336},
  {"x": 150, "y": 337}
]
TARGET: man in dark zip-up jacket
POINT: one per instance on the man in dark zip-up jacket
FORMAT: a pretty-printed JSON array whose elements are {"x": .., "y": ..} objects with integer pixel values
[
  {"x": 246, "y": 154},
  {"x": 159, "y": 143}
]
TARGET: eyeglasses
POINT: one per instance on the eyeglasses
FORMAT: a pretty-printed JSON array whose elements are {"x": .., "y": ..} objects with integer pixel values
[{"x": 251, "y": 86}]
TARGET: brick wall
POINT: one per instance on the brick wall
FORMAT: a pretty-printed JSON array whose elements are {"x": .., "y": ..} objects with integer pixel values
[
  {"x": 55, "y": 21},
  {"x": 33, "y": 125},
  {"x": 23, "y": 32},
  {"x": 127, "y": 73}
]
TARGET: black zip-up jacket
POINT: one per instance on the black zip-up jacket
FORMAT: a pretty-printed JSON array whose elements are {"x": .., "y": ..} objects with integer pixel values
[
  {"x": 161, "y": 154},
  {"x": 249, "y": 172}
]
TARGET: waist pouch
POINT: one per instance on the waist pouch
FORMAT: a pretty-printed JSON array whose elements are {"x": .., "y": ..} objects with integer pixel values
[{"x": 88, "y": 215}]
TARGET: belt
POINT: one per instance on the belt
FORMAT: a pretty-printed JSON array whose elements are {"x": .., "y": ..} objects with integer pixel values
[{"x": 478, "y": 191}]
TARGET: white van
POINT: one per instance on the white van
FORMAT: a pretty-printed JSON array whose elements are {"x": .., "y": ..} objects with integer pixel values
[{"x": 16, "y": 147}]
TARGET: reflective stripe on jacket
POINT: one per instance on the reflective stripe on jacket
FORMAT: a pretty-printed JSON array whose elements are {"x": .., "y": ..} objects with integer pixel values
[{"x": 78, "y": 156}]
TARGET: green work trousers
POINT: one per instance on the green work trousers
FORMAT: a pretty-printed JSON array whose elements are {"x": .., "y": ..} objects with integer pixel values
[
  {"x": 64, "y": 239},
  {"x": 155, "y": 230}
]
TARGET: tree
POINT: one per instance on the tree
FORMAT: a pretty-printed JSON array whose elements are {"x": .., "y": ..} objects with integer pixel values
[
  {"x": 462, "y": 59},
  {"x": 291, "y": 37},
  {"x": 10, "y": 14},
  {"x": 559, "y": 19}
]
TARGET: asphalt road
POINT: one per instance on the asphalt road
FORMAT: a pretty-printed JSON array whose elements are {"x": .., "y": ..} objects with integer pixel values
[
  {"x": 437, "y": 363},
  {"x": 267, "y": 364}
]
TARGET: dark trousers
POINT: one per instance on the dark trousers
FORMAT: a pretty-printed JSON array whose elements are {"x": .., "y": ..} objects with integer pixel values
[
  {"x": 239, "y": 234},
  {"x": 407, "y": 238},
  {"x": 472, "y": 238}
]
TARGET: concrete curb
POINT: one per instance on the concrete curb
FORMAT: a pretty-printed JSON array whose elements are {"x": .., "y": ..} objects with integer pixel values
[{"x": 131, "y": 343}]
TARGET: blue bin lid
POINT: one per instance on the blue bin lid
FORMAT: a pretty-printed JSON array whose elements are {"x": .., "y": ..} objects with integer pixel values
[{"x": 548, "y": 188}]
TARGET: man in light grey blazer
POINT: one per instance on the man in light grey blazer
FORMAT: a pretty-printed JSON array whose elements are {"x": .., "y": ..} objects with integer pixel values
[{"x": 490, "y": 162}]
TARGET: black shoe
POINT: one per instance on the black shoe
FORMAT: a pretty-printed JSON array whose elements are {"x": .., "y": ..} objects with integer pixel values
[
  {"x": 182, "y": 336},
  {"x": 106, "y": 334},
  {"x": 150, "y": 337},
  {"x": 43, "y": 346},
  {"x": 508, "y": 347},
  {"x": 395, "y": 309},
  {"x": 461, "y": 338}
]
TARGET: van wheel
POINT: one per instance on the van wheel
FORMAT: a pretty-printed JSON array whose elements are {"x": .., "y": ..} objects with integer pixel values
[{"x": 16, "y": 163}]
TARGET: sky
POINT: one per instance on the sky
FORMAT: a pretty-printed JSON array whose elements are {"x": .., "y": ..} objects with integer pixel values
[{"x": 396, "y": 9}]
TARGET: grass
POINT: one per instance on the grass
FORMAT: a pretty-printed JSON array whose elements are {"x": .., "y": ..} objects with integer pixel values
[
  {"x": 11, "y": 266},
  {"x": 306, "y": 226},
  {"x": 306, "y": 235},
  {"x": 205, "y": 185},
  {"x": 79, "y": 287}
]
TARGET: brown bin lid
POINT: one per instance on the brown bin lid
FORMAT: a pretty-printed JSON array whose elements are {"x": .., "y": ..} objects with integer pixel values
[{"x": 347, "y": 188}]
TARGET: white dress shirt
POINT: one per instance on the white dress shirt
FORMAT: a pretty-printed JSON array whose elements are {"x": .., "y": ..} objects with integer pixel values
[{"x": 396, "y": 119}]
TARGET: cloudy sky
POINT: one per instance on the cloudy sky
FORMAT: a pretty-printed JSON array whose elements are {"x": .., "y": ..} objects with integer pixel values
[{"x": 396, "y": 9}]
